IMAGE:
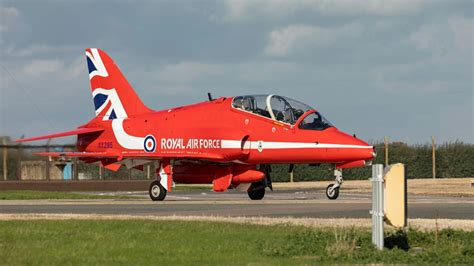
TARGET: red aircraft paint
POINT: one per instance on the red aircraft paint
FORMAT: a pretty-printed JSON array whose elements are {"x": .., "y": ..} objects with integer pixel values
[{"x": 226, "y": 141}]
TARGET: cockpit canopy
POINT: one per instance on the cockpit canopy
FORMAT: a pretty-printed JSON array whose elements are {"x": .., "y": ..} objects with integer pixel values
[{"x": 281, "y": 109}]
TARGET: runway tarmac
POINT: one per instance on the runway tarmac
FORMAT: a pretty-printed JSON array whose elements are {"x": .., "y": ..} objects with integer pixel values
[{"x": 286, "y": 203}]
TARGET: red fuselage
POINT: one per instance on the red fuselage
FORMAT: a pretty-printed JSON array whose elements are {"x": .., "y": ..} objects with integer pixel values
[{"x": 220, "y": 132}]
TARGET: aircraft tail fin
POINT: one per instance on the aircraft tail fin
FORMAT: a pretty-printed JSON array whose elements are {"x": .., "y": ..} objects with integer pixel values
[{"x": 113, "y": 96}]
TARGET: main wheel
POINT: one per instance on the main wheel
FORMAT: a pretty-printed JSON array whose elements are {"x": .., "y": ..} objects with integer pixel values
[
  {"x": 256, "y": 194},
  {"x": 157, "y": 191},
  {"x": 332, "y": 193}
]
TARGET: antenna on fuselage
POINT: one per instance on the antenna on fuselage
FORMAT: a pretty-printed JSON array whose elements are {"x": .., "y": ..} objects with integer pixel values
[{"x": 210, "y": 97}]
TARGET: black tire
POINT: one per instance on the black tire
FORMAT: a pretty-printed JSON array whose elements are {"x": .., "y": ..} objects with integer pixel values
[
  {"x": 256, "y": 194},
  {"x": 156, "y": 191},
  {"x": 334, "y": 194}
]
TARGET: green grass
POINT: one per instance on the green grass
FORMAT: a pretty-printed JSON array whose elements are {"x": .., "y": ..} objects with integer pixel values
[
  {"x": 34, "y": 195},
  {"x": 138, "y": 242}
]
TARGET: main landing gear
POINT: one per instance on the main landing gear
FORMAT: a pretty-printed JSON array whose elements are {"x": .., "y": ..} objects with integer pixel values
[
  {"x": 332, "y": 191},
  {"x": 164, "y": 179},
  {"x": 256, "y": 191},
  {"x": 157, "y": 191}
]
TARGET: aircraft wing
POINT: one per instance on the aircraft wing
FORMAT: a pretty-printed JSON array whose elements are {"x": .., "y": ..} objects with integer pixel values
[
  {"x": 131, "y": 155},
  {"x": 78, "y": 131}
]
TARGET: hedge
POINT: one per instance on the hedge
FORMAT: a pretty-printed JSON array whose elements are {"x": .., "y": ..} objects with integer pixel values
[{"x": 453, "y": 159}]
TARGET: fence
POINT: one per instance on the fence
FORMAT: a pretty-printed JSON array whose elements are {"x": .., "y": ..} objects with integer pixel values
[{"x": 18, "y": 162}]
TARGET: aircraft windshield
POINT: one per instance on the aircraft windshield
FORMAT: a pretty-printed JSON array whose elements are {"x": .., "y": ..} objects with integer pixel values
[
  {"x": 315, "y": 121},
  {"x": 276, "y": 107}
]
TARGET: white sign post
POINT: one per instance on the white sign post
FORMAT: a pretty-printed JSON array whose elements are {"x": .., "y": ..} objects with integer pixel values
[{"x": 377, "y": 206}]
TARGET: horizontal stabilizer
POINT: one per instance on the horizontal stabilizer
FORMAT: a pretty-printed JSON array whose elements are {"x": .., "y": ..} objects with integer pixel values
[
  {"x": 127, "y": 155},
  {"x": 79, "y": 154},
  {"x": 78, "y": 131}
]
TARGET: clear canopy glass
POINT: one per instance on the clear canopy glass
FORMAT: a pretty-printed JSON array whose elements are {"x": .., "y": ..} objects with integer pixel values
[
  {"x": 314, "y": 121},
  {"x": 275, "y": 107}
]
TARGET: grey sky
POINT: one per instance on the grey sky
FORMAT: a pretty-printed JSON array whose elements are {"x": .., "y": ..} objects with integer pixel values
[{"x": 402, "y": 69}]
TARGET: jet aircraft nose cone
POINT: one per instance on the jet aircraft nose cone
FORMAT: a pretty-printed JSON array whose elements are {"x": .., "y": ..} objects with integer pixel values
[
  {"x": 370, "y": 153},
  {"x": 374, "y": 152},
  {"x": 364, "y": 151}
]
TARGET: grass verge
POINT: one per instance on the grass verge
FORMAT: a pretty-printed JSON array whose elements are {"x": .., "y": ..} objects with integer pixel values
[
  {"x": 56, "y": 242},
  {"x": 34, "y": 195}
]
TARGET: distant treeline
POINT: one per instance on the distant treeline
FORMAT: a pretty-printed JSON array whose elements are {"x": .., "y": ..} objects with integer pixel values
[{"x": 453, "y": 159}]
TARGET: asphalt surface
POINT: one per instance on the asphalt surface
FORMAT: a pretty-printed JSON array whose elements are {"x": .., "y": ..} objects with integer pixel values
[{"x": 287, "y": 203}]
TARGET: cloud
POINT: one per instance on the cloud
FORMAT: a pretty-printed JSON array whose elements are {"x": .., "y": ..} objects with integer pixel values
[
  {"x": 453, "y": 33},
  {"x": 57, "y": 87},
  {"x": 432, "y": 75},
  {"x": 463, "y": 29},
  {"x": 41, "y": 67},
  {"x": 176, "y": 78},
  {"x": 8, "y": 18},
  {"x": 37, "y": 50},
  {"x": 303, "y": 38},
  {"x": 9, "y": 23},
  {"x": 443, "y": 64},
  {"x": 196, "y": 78},
  {"x": 188, "y": 72},
  {"x": 426, "y": 37},
  {"x": 242, "y": 10}
]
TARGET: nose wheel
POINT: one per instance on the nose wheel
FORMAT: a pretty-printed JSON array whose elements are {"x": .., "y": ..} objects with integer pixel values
[{"x": 332, "y": 191}]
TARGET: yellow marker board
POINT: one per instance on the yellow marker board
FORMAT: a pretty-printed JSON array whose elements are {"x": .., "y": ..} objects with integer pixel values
[{"x": 395, "y": 195}]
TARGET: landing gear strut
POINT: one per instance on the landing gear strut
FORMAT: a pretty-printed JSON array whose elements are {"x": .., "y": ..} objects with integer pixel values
[
  {"x": 160, "y": 187},
  {"x": 332, "y": 191}
]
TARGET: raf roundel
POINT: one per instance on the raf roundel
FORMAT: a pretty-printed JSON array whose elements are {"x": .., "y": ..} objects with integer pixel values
[{"x": 149, "y": 144}]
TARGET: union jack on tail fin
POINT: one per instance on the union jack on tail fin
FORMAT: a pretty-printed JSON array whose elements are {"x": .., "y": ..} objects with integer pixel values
[{"x": 113, "y": 96}]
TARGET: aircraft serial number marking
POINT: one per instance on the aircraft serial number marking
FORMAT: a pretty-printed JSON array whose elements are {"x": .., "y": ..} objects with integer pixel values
[
  {"x": 179, "y": 143},
  {"x": 105, "y": 145}
]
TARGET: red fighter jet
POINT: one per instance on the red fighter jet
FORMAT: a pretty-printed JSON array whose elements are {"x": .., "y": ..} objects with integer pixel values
[{"x": 226, "y": 141}]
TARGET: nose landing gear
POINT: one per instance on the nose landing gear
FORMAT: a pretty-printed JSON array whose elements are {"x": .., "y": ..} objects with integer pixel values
[{"x": 332, "y": 191}]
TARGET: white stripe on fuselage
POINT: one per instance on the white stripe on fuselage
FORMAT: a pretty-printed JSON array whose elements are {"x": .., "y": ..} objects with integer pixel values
[
  {"x": 124, "y": 139},
  {"x": 236, "y": 144}
]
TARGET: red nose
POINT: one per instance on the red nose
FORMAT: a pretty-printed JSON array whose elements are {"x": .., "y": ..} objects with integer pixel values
[{"x": 358, "y": 149}]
